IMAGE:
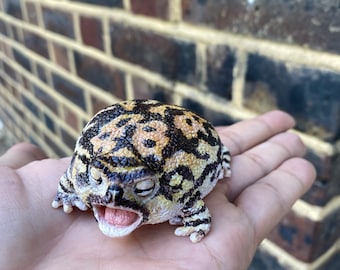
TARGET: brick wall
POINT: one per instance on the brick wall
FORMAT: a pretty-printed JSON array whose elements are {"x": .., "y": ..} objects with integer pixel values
[{"x": 61, "y": 61}]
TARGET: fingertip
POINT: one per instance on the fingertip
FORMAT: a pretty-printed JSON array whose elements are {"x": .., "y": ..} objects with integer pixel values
[
  {"x": 292, "y": 142},
  {"x": 20, "y": 154},
  {"x": 280, "y": 117},
  {"x": 302, "y": 169}
]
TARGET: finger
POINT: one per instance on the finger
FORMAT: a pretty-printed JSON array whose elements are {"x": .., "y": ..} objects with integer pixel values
[
  {"x": 245, "y": 134},
  {"x": 262, "y": 159},
  {"x": 21, "y": 154},
  {"x": 269, "y": 199}
]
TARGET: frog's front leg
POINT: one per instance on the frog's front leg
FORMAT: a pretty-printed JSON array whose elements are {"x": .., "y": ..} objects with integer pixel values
[
  {"x": 66, "y": 196},
  {"x": 196, "y": 221}
]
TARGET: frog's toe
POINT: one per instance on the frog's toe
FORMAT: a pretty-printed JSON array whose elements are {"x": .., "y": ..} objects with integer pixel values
[
  {"x": 197, "y": 236},
  {"x": 196, "y": 233},
  {"x": 67, "y": 201},
  {"x": 67, "y": 208},
  {"x": 56, "y": 203},
  {"x": 80, "y": 205}
]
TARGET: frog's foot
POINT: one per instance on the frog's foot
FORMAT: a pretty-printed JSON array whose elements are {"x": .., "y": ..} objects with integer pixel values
[
  {"x": 68, "y": 201},
  {"x": 196, "y": 222},
  {"x": 226, "y": 170},
  {"x": 66, "y": 197}
]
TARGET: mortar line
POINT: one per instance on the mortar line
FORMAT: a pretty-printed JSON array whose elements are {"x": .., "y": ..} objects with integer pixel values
[
  {"x": 26, "y": 127},
  {"x": 238, "y": 84},
  {"x": 38, "y": 10},
  {"x": 71, "y": 61},
  {"x": 319, "y": 146},
  {"x": 286, "y": 258},
  {"x": 49, "y": 133},
  {"x": 129, "y": 87},
  {"x": 174, "y": 10},
  {"x": 24, "y": 11},
  {"x": 41, "y": 106},
  {"x": 201, "y": 65},
  {"x": 99, "y": 56},
  {"x": 44, "y": 87},
  {"x": 106, "y": 36},
  {"x": 127, "y": 5},
  {"x": 188, "y": 91},
  {"x": 76, "y": 27},
  {"x": 59, "y": 71},
  {"x": 272, "y": 49},
  {"x": 317, "y": 213},
  {"x": 140, "y": 72}
]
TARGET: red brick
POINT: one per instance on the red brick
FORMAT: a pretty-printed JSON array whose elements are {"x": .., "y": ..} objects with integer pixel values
[
  {"x": 174, "y": 59},
  {"x": 91, "y": 32},
  {"x": 220, "y": 65},
  {"x": 107, "y": 3},
  {"x": 3, "y": 28},
  {"x": 69, "y": 90},
  {"x": 309, "y": 94},
  {"x": 71, "y": 118},
  {"x": 9, "y": 71},
  {"x": 41, "y": 73},
  {"x": 144, "y": 90},
  {"x": 98, "y": 104},
  {"x": 45, "y": 98},
  {"x": 152, "y": 8},
  {"x": 36, "y": 43},
  {"x": 326, "y": 185},
  {"x": 215, "y": 117},
  {"x": 306, "y": 23},
  {"x": 31, "y": 13},
  {"x": 16, "y": 33},
  {"x": 100, "y": 74},
  {"x": 54, "y": 146},
  {"x": 304, "y": 239},
  {"x": 61, "y": 56},
  {"x": 263, "y": 260},
  {"x": 49, "y": 123},
  {"x": 68, "y": 140},
  {"x": 218, "y": 14},
  {"x": 31, "y": 106},
  {"x": 12, "y": 7},
  {"x": 60, "y": 22}
]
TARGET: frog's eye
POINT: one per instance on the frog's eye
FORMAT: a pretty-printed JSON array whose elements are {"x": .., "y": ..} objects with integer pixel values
[
  {"x": 145, "y": 187},
  {"x": 96, "y": 175}
]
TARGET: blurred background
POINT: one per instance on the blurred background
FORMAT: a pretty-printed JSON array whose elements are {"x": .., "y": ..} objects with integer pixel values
[{"x": 228, "y": 60}]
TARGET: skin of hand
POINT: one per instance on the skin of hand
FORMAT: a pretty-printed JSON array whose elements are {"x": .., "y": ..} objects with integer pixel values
[{"x": 268, "y": 176}]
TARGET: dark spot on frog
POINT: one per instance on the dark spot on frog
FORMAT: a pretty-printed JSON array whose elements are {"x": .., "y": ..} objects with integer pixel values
[
  {"x": 123, "y": 122},
  {"x": 148, "y": 129},
  {"x": 104, "y": 136},
  {"x": 188, "y": 121},
  {"x": 149, "y": 143}
]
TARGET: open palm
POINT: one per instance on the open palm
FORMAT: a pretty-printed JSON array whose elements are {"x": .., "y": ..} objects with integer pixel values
[{"x": 268, "y": 176}]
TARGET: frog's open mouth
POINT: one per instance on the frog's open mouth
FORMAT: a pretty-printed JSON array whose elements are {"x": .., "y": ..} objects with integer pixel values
[{"x": 116, "y": 221}]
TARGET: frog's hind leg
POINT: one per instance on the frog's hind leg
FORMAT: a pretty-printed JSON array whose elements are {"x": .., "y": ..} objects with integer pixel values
[
  {"x": 226, "y": 169},
  {"x": 66, "y": 196},
  {"x": 196, "y": 221}
]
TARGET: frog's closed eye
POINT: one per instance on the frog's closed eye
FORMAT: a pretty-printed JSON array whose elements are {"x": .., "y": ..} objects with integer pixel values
[
  {"x": 96, "y": 175},
  {"x": 144, "y": 187}
]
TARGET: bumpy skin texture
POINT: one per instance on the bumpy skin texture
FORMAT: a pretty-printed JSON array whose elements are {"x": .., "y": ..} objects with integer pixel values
[{"x": 143, "y": 162}]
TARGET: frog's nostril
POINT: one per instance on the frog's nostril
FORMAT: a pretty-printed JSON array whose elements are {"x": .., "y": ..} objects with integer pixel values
[{"x": 116, "y": 192}]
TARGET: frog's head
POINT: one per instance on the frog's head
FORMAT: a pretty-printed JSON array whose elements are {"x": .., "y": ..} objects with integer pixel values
[{"x": 119, "y": 198}]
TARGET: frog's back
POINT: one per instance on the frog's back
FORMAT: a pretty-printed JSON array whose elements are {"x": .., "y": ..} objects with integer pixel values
[{"x": 165, "y": 138}]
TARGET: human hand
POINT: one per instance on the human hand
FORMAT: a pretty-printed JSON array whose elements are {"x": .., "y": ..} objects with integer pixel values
[{"x": 268, "y": 176}]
